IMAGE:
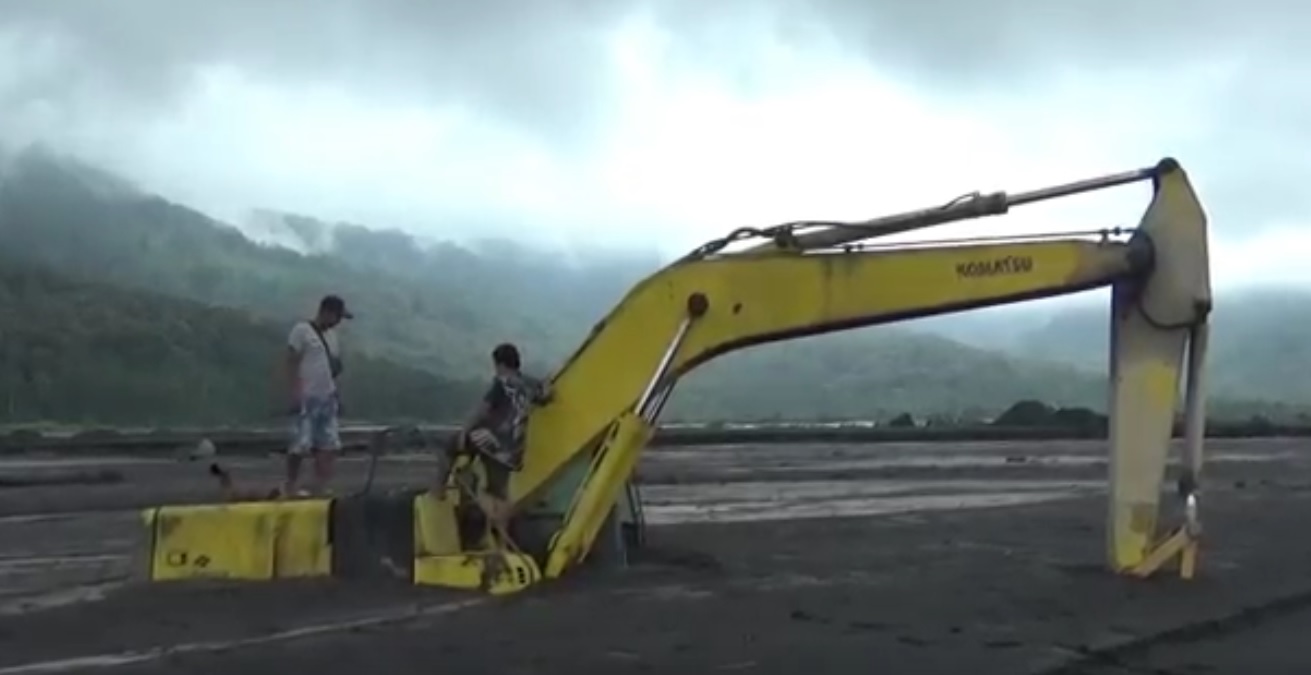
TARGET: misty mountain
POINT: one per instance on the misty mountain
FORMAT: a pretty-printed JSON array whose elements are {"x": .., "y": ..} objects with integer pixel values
[
  {"x": 143, "y": 242},
  {"x": 437, "y": 308},
  {"x": 500, "y": 275}
]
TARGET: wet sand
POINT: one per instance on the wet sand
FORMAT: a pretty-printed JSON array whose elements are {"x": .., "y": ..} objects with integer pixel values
[{"x": 907, "y": 558}]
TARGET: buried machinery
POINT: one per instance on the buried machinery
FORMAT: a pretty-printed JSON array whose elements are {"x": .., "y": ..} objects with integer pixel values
[{"x": 799, "y": 279}]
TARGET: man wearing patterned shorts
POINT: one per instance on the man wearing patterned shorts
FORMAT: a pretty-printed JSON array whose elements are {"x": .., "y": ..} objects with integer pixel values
[{"x": 313, "y": 365}]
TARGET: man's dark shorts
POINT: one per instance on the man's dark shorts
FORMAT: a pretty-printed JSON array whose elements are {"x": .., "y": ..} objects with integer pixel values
[
  {"x": 481, "y": 443},
  {"x": 498, "y": 478}
]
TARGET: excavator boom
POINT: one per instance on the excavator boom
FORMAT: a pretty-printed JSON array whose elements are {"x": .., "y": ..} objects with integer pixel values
[
  {"x": 779, "y": 295},
  {"x": 797, "y": 285}
]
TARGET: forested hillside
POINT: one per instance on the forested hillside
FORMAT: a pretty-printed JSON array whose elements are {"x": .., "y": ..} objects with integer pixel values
[
  {"x": 77, "y": 352},
  {"x": 218, "y": 304},
  {"x": 64, "y": 216}
]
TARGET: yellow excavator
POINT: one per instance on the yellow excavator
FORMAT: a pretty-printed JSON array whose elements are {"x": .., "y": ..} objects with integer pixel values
[{"x": 573, "y": 499}]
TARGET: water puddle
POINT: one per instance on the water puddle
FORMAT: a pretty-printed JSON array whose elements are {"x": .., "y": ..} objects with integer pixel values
[
  {"x": 8, "y": 563},
  {"x": 68, "y": 462},
  {"x": 828, "y": 489},
  {"x": 766, "y": 510},
  {"x": 59, "y": 598},
  {"x": 740, "y": 465},
  {"x": 764, "y": 500}
]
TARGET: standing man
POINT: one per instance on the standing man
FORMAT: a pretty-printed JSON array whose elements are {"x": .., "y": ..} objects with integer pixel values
[{"x": 313, "y": 364}]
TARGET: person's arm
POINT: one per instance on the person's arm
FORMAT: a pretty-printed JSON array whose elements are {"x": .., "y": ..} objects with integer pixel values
[
  {"x": 543, "y": 394},
  {"x": 334, "y": 355},
  {"x": 335, "y": 363},
  {"x": 291, "y": 362}
]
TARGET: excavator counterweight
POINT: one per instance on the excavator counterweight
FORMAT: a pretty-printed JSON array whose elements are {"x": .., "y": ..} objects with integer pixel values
[{"x": 573, "y": 498}]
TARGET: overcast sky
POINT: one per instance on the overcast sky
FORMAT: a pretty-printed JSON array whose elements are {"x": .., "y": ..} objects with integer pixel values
[{"x": 665, "y": 123}]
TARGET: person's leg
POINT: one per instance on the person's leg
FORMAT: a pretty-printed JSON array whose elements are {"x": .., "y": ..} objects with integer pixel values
[
  {"x": 292, "y": 478},
  {"x": 323, "y": 465},
  {"x": 326, "y": 443},
  {"x": 446, "y": 457},
  {"x": 497, "y": 506},
  {"x": 493, "y": 455},
  {"x": 300, "y": 443}
]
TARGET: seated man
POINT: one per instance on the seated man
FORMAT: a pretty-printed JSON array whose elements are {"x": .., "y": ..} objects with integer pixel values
[{"x": 495, "y": 432}]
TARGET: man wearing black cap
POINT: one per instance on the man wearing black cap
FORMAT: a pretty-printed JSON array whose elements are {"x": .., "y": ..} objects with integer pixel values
[{"x": 313, "y": 364}]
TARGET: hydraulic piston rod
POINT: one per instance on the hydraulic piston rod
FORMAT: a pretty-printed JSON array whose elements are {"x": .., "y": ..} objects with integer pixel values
[{"x": 974, "y": 206}]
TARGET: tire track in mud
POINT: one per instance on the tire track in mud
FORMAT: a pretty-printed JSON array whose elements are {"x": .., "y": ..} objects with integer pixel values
[
  {"x": 127, "y": 658},
  {"x": 52, "y": 559},
  {"x": 1120, "y": 657}
]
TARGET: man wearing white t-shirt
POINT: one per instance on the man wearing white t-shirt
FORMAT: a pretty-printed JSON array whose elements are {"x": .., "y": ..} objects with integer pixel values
[{"x": 312, "y": 366}]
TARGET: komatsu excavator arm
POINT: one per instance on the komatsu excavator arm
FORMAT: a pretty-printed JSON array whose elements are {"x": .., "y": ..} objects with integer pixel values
[
  {"x": 810, "y": 279},
  {"x": 805, "y": 279}
]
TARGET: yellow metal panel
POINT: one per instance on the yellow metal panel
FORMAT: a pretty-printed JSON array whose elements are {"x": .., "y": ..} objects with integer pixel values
[
  {"x": 516, "y": 572},
  {"x": 1188, "y": 561},
  {"x": 451, "y": 571},
  {"x": 1180, "y": 543},
  {"x": 301, "y": 537},
  {"x": 210, "y": 541},
  {"x": 249, "y": 541},
  {"x": 435, "y": 531}
]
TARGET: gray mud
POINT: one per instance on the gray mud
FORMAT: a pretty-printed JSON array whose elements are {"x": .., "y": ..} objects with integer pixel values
[{"x": 908, "y": 558}]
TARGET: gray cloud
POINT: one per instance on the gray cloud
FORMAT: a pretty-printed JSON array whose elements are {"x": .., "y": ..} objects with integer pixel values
[
  {"x": 1002, "y": 43},
  {"x": 998, "y": 42},
  {"x": 1252, "y": 161},
  {"x": 538, "y": 64},
  {"x": 1251, "y": 164}
]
